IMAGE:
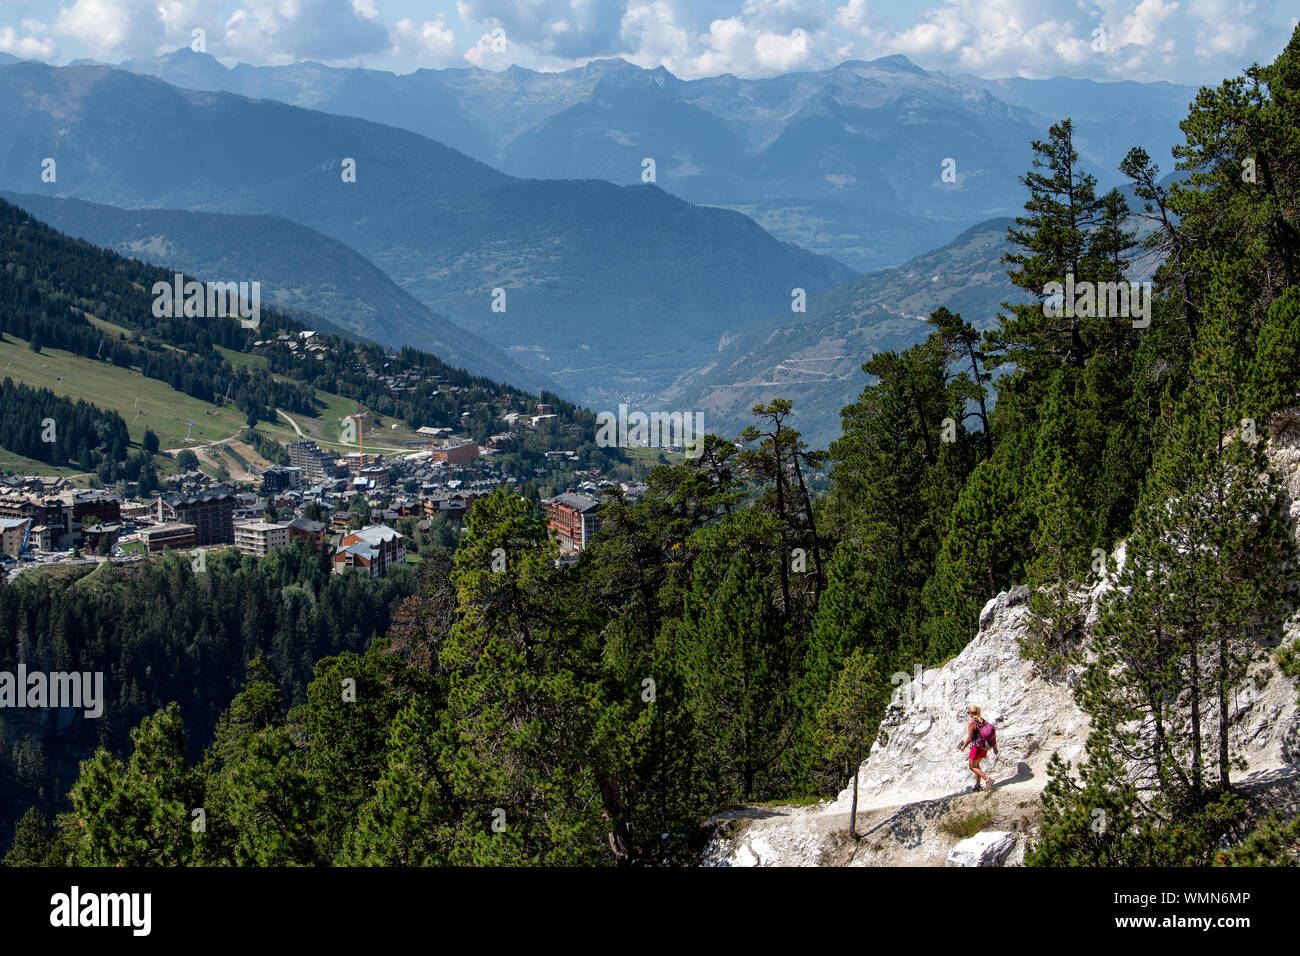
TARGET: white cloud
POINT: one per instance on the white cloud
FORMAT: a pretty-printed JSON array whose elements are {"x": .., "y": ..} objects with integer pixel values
[
  {"x": 430, "y": 40},
  {"x": 131, "y": 27},
  {"x": 1038, "y": 38},
  {"x": 333, "y": 31},
  {"x": 653, "y": 37},
  {"x": 569, "y": 29},
  {"x": 1226, "y": 27},
  {"x": 1181, "y": 40},
  {"x": 762, "y": 40},
  {"x": 259, "y": 31},
  {"x": 1143, "y": 27},
  {"x": 32, "y": 44}
]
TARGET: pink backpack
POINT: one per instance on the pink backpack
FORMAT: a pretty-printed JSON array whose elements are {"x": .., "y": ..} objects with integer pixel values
[{"x": 986, "y": 736}]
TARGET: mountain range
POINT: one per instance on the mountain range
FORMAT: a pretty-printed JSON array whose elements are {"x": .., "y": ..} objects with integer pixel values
[
  {"x": 817, "y": 361},
  {"x": 845, "y": 162},
  {"x": 301, "y": 270},
  {"x": 610, "y": 290}
]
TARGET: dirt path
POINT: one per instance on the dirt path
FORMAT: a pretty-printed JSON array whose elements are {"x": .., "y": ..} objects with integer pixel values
[
  {"x": 370, "y": 442},
  {"x": 297, "y": 430},
  {"x": 911, "y": 834}
]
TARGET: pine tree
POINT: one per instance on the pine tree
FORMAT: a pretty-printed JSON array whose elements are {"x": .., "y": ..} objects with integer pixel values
[
  {"x": 351, "y": 705},
  {"x": 1065, "y": 537},
  {"x": 520, "y": 701},
  {"x": 35, "y": 841},
  {"x": 1208, "y": 568},
  {"x": 140, "y": 813},
  {"x": 1275, "y": 373},
  {"x": 849, "y": 719},
  {"x": 1053, "y": 242},
  {"x": 738, "y": 666},
  {"x": 407, "y": 821}
]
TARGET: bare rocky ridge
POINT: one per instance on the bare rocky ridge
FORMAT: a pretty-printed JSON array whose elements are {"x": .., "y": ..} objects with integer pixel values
[{"x": 915, "y": 788}]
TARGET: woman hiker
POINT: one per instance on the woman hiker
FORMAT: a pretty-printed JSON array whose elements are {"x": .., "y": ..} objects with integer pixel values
[{"x": 976, "y": 752}]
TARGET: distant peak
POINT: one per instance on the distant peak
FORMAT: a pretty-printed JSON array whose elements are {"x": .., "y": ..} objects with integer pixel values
[
  {"x": 609, "y": 65},
  {"x": 185, "y": 56},
  {"x": 893, "y": 64}
]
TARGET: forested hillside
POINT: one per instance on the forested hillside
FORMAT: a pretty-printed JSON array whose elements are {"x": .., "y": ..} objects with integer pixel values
[
  {"x": 49, "y": 285},
  {"x": 161, "y": 632},
  {"x": 29, "y": 425},
  {"x": 816, "y": 359},
  {"x": 299, "y": 268},
  {"x": 63, "y": 293}
]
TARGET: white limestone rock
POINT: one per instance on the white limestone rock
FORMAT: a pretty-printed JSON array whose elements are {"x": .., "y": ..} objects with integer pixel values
[
  {"x": 917, "y": 756},
  {"x": 991, "y": 848}
]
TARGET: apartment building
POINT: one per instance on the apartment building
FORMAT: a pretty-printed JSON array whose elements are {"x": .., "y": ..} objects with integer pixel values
[
  {"x": 279, "y": 478},
  {"x": 455, "y": 453},
  {"x": 103, "y": 505},
  {"x": 573, "y": 519},
  {"x": 13, "y": 531},
  {"x": 52, "y": 515},
  {"x": 211, "y": 514},
  {"x": 374, "y": 549},
  {"x": 260, "y": 538},
  {"x": 311, "y": 531},
  {"x": 316, "y": 465},
  {"x": 175, "y": 535}
]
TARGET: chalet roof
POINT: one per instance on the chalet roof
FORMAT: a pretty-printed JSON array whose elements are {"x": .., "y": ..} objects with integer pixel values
[
  {"x": 377, "y": 534},
  {"x": 580, "y": 503}
]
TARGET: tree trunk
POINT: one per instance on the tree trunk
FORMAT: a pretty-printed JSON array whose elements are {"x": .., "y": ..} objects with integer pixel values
[
  {"x": 930, "y": 456},
  {"x": 853, "y": 807},
  {"x": 780, "y": 508},
  {"x": 620, "y": 837},
  {"x": 812, "y": 526},
  {"x": 984, "y": 415},
  {"x": 1224, "y": 769},
  {"x": 1197, "y": 780}
]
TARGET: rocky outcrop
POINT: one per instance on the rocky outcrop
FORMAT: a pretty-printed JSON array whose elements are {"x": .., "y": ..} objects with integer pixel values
[
  {"x": 918, "y": 754},
  {"x": 914, "y": 790},
  {"x": 990, "y": 848},
  {"x": 915, "y": 781},
  {"x": 915, "y": 787}
]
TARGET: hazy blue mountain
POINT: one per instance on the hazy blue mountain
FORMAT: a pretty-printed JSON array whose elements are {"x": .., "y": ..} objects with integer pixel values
[
  {"x": 1109, "y": 118},
  {"x": 299, "y": 268},
  {"x": 816, "y": 359},
  {"x": 845, "y": 161},
  {"x": 610, "y": 290}
]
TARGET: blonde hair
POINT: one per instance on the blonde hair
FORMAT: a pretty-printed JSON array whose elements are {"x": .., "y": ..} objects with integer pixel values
[{"x": 974, "y": 711}]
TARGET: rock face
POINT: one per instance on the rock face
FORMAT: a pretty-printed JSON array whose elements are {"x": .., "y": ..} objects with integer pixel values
[
  {"x": 917, "y": 756},
  {"x": 983, "y": 849},
  {"x": 916, "y": 778}
]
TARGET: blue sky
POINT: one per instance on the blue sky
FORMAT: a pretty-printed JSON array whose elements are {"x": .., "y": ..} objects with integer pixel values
[{"x": 1185, "y": 41}]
